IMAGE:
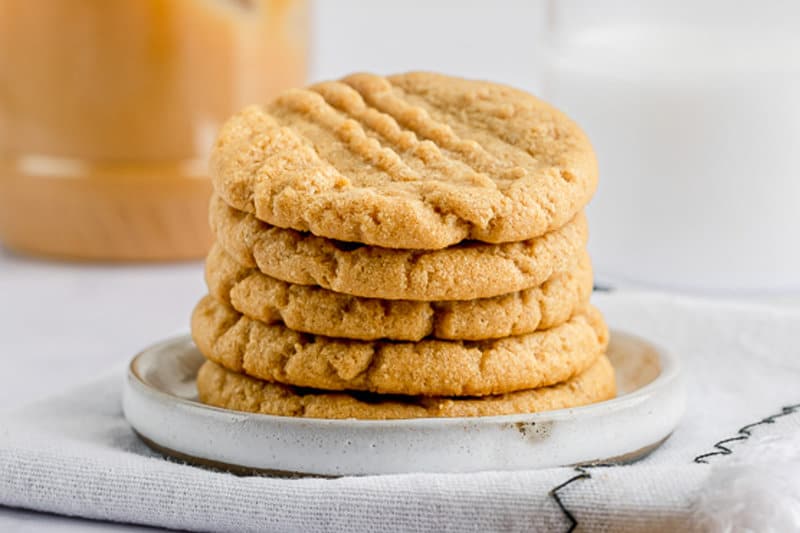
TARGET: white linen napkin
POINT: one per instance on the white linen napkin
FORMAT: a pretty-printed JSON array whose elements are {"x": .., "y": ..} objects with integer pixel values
[{"x": 74, "y": 454}]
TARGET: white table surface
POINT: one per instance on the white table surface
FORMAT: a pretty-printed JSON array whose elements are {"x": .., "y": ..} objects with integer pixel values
[{"x": 64, "y": 323}]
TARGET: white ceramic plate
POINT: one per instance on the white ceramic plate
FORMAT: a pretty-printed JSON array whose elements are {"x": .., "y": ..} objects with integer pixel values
[{"x": 160, "y": 402}]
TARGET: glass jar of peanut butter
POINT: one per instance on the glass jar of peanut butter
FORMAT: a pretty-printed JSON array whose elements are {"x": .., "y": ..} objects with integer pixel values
[{"x": 108, "y": 109}]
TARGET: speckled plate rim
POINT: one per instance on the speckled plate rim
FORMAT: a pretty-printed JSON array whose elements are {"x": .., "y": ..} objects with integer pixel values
[{"x": 669, "y": 377}]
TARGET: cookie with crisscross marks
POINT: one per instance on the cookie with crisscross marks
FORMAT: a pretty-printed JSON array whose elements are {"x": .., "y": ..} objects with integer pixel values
[{"x": 415, "y": 161}]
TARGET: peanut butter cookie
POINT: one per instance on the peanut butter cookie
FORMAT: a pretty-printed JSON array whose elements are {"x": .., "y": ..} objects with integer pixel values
[
  {"x": 222, "y": 388},
  {"x": 465, "y": 271},
  {"x": 429, "y": 367},
  {"x": 414, "y": 161},
  {"x": 312, "y": 309}
]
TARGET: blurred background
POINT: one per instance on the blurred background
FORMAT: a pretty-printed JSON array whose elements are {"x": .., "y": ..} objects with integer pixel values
[{"x": 108, "y": 109}]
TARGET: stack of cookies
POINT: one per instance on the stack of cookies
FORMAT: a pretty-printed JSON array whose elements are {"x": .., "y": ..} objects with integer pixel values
[{"x": 410, "y": 246}]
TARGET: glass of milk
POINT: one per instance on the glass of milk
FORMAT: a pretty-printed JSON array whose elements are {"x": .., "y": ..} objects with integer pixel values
[{"x": 694, "y": 111}]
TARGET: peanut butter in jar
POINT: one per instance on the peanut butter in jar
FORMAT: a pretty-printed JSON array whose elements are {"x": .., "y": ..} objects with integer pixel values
[{"x": 108, "y": 109}]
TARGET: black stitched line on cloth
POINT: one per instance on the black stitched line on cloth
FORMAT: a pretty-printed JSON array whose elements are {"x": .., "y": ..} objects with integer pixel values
[
  {"x": 745, "y": 432},
  {"x": 582, "y": 473},
  {"x": 721, "y": 447},
  {"x": 602, "y": 288}
]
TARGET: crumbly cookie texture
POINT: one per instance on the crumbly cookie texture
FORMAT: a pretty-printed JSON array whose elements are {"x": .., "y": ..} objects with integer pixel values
[
  {"x": 465, "y": 271},
  {"x": 221, "y": 387},
  {"x": 429, "y": 367},
  {"x": 414, "y": 161},
  {"x": 312, "y": 309}
]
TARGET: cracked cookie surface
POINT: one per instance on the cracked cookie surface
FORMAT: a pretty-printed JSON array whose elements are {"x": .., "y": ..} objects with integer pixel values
[
  {"x": 429, "y": 367},
  {"x": 312, "y": 309},
  {"x": 223, "y": 388},
  {"x": 464, "y": 271},
  {"x": 413, "y": 161}
]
